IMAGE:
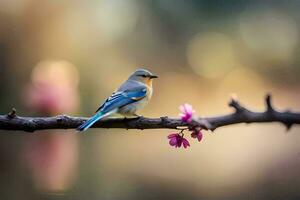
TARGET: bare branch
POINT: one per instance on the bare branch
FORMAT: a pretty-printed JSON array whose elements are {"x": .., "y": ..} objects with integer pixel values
[
  {"x": 269, "y": 103},
  {"x": 241, "y": 115}
]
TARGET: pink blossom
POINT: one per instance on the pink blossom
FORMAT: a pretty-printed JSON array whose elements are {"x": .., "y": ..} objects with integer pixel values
[
  {"x": 197, "y": 134},
  {"x": 177, "y": 140},
  {"x": 186, "y": 112}
]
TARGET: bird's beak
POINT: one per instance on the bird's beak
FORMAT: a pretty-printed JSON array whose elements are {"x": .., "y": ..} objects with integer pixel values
[{"x": 153, "y": 76}]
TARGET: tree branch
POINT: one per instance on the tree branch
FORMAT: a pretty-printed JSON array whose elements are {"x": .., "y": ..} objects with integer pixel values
[{"x": 241, "y": 115}]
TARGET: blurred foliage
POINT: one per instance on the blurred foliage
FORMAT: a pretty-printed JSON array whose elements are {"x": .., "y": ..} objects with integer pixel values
[{"x": 61, "y": 56}]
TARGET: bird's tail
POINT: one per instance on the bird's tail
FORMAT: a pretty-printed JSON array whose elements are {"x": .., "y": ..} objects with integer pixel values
[
  {"x": 93, "y": 120},
  {"x": 90, "y": 122}
]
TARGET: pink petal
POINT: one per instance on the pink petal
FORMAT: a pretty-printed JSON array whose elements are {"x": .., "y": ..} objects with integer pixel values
[
  {"x": 185, "y": 143},
  {"x": 172, "y": 135},
  {"x": 189, "y": 118},
  {"x": 188, "y": 108},
  {"x": 173, "y": 142},
  {"x": 177, "y": 140},
  {"x": 182, "y": 109},
  {"x": 187, "y": 112},
  {"x": 199, "y": 136},
  {"x": 185, "y": 108},
  {"x": 179, "y": 143},
  {"x": 186, "y": 117}
]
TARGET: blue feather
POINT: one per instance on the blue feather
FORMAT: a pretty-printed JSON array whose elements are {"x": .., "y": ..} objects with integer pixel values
[
  {"x": 90, "y": 122},
  {"x": 122, "y": 99},
  {"x": 113, "y": 103}
]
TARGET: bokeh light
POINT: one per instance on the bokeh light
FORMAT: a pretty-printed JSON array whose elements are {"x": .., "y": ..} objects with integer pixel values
[
  {"x": 51, "y": 157},
  {"x": 54, "y": 87},
  {"x": 270, "y": 34},
  {"x": 207, "y": 51}
]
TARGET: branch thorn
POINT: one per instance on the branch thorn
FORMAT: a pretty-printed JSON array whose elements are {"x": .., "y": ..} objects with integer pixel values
[
  {"x": 12, "y": 113},
  {"x": 235, "y": 104},
  {"x": 163, "y": 119},
  {"x": 288, "y": 126},
  {"x": 269, "y": 103}
]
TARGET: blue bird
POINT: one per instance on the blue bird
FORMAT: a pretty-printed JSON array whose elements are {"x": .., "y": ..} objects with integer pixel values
[{"x": 131, "y": 96}]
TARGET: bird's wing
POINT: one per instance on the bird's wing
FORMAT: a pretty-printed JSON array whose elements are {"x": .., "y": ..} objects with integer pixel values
[{"x": 123, "y": 98}]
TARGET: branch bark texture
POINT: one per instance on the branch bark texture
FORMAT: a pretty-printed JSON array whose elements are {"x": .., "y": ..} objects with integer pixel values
[{"x": 241, "y": 114}]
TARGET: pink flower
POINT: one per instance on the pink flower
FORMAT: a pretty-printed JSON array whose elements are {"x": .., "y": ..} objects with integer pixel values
[
  {"x": 187, "y": 112},
  {"x": 177, "y": 140},
  {"x": 197, "y": 134}
]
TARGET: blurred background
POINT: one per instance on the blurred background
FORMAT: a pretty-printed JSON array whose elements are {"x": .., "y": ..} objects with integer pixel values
[{"x": 62, "y": 56}]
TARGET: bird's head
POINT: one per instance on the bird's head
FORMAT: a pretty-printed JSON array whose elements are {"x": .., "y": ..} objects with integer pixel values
[{"x": 143, "y": 76}]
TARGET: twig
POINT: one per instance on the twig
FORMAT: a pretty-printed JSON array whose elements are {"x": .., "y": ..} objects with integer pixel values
[{"x": 241, "y": 115}]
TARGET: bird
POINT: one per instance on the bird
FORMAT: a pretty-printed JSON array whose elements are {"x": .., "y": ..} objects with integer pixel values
[{"x": 131, "y": 96}]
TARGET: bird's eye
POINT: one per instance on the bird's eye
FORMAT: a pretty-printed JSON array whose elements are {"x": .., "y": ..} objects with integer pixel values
[{"x": 144, "y": 76}]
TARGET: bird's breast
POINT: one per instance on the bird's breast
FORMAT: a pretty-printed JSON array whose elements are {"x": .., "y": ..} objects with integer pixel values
[{"x": 149, "y": 92}]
